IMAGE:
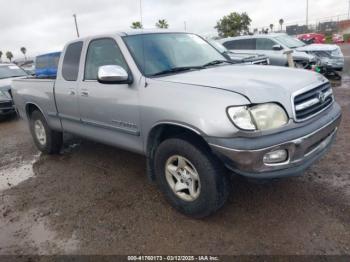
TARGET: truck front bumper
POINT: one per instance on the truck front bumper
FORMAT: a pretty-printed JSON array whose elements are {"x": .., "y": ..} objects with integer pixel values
[{"x": 304, "y": 145}]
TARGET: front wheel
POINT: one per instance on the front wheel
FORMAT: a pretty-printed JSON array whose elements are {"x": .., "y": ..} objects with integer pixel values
[
  {"x": 191, "y": 178},
  {"x": 47, "y": 140}
]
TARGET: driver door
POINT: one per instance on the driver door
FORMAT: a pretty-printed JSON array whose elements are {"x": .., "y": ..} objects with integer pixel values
[{"x": 109, "y": 112}]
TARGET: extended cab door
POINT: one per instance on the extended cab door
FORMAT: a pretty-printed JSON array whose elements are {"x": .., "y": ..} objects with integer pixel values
[
  {"x": 109, "y": 112},
  {"x": 66, "y": 87}
]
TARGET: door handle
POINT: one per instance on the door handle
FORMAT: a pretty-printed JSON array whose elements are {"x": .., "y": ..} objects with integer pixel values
[
  {"x": 84, "y": 93},
  {"x": 71, "y": 92}
]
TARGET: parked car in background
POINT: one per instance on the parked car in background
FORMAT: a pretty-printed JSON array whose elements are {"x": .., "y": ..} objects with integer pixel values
[
  {"x": 27, "y": 64},
  {"x": 29, "y": 67},
  {"x": 312, "y": 38},
  {"x": 8, "y": 72},
  {"x": 177, "y": 100},
  {"x": 240, "y": 58},
  {"x": 274, "y": 46},
  {"x": 330, "y": 55},
  {"x": 337, "y": 39},
  {"x": 46, "y": 65}
]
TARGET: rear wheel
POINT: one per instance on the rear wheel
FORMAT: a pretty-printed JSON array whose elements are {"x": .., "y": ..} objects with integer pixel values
[
  {"x": 191, "y": 178},
  {"x": 47, "y": 140}
]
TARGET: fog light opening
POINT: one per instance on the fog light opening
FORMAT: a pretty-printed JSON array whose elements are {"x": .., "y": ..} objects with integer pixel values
[{"x": 276, "y": 157}]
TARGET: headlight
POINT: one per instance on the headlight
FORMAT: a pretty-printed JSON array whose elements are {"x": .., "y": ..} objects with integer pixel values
[{"x": 258, "y": 117}]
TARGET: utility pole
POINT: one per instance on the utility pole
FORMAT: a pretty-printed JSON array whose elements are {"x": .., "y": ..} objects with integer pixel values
[
  {"x": 76, "y": 24},
  {"x": 307, "y": 13},
  {"x": 141, "y": 13}
]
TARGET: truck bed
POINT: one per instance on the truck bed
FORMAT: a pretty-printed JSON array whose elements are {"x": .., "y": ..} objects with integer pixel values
[{"x": 37, "y": 92}]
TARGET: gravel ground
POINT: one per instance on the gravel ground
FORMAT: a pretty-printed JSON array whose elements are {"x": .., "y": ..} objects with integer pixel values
[{"x": 95, "y": 199}]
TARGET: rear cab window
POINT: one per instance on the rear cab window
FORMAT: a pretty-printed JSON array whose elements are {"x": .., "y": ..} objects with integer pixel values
[
  {"x": 241, "y": 44},
  {"x": 71, "y": 61}
]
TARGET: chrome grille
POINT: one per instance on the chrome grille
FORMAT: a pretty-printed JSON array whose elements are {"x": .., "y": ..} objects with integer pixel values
[{"x": 312, "y": 102}]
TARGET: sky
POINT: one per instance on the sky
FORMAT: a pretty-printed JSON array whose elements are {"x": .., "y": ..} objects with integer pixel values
[{"x": 46, "y": 25}]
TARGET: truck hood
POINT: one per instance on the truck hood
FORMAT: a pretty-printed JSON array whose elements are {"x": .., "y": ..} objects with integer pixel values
[
  {"x": 259, "y": 84},
  {"x": 5, "y": 84}
]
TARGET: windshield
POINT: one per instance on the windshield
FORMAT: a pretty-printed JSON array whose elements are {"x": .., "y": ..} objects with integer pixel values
[
  {"x": 289, "y": 41},
  {"x": 157, "y": 53},
  {"x": 9, "y": 71}
]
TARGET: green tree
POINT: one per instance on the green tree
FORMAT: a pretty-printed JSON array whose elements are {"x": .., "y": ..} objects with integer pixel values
[
  {"x": 233, "y": 24},
  {"x": 136, "y": 25},
  {"x": 24, "y": 51},
  {"x": 0, "y": 55},
  {"x": 9, "y": 55},
  {"x": 281, "y": 22},
  {"x": 162, "y": 23},
  {"x": 271, "y": 27}
]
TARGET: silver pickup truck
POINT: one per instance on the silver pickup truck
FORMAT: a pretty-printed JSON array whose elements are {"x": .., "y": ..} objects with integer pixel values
[{"x": 174, "y": 98}]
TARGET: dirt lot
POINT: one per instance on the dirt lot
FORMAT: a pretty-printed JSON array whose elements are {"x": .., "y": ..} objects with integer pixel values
[{"x": 95, "y": 199}]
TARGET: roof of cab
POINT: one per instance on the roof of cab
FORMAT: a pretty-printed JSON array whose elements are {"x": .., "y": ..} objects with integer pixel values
[
  {"x": 130, "y": 32},
  {"x": 271, "y": 35},
  {"x": 124, "y": 33}
]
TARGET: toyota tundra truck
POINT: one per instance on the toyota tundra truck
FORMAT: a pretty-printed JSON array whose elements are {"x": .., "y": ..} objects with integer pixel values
[{"x": 174, "y": 98}]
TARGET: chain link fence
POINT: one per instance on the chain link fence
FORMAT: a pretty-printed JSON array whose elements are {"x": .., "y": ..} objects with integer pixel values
[{"x": 339, "y": 24}]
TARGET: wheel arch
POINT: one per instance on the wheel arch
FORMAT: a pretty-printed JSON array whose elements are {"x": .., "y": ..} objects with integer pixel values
[
  {"x": 30, "y": 107},
  {"x": 164, "y": 130}
]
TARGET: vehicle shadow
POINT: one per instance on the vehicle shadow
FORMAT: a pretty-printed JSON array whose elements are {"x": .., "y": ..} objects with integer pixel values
[{"x": 8, "y": 118}]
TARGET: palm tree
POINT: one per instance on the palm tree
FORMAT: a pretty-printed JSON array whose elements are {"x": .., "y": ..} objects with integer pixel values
[
  {"x": 162, "y": 24},
  {"x": 281, "y": 21},
  {"x": 271, "y": 27},
  {"x": 136, "y": 25},
  {"x": 0, "y": 55},
  {"x": 24, "y": 51},
  {"x": 9, "y": 55}
]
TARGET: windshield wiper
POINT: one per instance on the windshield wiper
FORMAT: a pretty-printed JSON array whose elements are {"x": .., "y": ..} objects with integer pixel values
[
  {"x": 177, "y": 69},
  {"x": 217, "y": 62},
  {"x": 187, "y": 68}
]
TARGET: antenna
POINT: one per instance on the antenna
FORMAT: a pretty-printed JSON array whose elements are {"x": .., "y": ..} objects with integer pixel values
[{"x": 76, "y": 24}]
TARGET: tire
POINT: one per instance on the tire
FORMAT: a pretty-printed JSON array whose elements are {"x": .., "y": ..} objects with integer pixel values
[
  {"x": 49, "y": 141},
  {"x": 213, "y": 185}
]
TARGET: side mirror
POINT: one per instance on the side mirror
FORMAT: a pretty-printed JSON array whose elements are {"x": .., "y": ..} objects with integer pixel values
[
  {"x": 113, "y": 74},
  {"x": 277, "y": 48}
]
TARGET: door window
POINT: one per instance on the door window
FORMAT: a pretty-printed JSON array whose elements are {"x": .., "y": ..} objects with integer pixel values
[
  {"x": 264, "y": 44},
  {"x": 102, "y": 52}
]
